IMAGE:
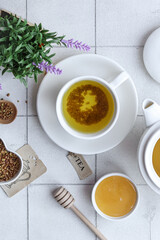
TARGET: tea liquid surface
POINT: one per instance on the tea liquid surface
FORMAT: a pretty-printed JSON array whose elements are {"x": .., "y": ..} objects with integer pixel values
[{"x": 88, "y": 106}]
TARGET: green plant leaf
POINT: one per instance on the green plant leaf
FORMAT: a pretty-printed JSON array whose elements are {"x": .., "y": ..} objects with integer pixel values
[
  {"x": 26, "y": 35},
  {"x": 40, "y": 26},
  {"x": 25, "y": 22},
  {"x": 52, "y": 55},
  {"x": 10, "y": 48},
  {"x": 35, "y": 77},
  {"x": 4, "y": 70},
  {"x": 22, "y": 44},
  {"x": 19, "y": 37},
  {"x": 18, "y": 47},
  {"x": 3, "y": 29},
  {"x": 29, "y": 65},
  {"x": 9, "y": 59},
  {"x": 29, "y": 49},
  {"x": 44, "y": 31},
  {"x": 3, "y": 39},
  {"x": 18, "y": 22},
  {"x": 29, "y": 38}
]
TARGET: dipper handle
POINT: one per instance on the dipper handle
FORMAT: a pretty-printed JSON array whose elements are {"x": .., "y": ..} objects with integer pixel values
[
  {"x": 88, "y": 223},
  {"x": 66, "y": 200}
]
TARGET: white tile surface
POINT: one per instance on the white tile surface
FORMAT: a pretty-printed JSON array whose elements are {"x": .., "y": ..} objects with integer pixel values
[
  {"x": 138, "y": 225},
  {"x": 13, "y": 220},
  {"x": 48, "y": 220},
  {"x": 120, "y": 25},
  {"x": 16, "y": 90},
  {"x": 59, "y": 168},
  {"x": 61, "y": 53},
  {"x": 14, "y": 134},
  {"x": 124, "y": 23},
  {"x": 131, "y": 59},
  {"x": 123, "y": 158},
  {"x": 154, "y": 216},
  {"x": 75, "y": 19},
  {"x": 18, "y": 7}
]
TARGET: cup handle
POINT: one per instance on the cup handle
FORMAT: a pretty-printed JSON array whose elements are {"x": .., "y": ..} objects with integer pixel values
[{"x": 122, "y": 77}]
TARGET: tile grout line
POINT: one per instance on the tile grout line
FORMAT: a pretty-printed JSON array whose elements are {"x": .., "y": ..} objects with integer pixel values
[
  {"x": 121, "y": 46},
  {"x": 65, "y": 184},
  {"x": 33, "y": 115},
  {"x": 108, "y": 46},
  {"x": 95, "y": 27},
  {"x": 95, "y": 154},
  {"x": 27, "y": 214},
  {"x": 75, "y": 184},
  {"x": 27, "y": 143}
]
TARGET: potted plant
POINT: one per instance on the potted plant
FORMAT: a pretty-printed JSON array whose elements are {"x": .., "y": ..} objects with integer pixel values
[{"x": 25, "y": 48}]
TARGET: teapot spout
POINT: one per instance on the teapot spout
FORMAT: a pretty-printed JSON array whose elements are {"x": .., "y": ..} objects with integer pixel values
[{"x": 151, "y": 112}]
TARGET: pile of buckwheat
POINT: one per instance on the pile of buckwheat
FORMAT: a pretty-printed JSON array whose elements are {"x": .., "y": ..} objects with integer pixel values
[
  {"x": 6, "y": 111},
  {"x": 9, "y": 163}
]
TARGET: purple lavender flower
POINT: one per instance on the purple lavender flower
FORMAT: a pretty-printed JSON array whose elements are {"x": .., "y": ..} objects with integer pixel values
[
  {"x": 0, "y": 86},
  {"x": 48, "y": 67},
  {"x": 78, "y": 45},
  {"x": 69, "y": 43}
]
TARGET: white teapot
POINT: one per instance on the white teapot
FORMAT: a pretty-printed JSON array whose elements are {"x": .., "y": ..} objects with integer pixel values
[{"x": 149, "y": 140}]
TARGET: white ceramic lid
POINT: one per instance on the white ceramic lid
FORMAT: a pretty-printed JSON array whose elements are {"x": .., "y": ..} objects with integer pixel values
[{"x": 151, "y": 55}]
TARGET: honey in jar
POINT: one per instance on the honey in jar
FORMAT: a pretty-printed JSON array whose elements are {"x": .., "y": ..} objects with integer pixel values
[{"x": 115, "y": 196}]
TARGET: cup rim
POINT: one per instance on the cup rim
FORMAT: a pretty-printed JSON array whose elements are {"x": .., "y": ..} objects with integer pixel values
[
  {"x": 94, "y": 202},
  {"x": 20, "y": 170},
  {"x": 148, "y": 157},
  {"x": 64, "y": 123}
]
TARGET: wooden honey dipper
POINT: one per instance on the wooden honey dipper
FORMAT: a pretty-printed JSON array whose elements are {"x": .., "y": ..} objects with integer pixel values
[{"x": 66, "y": 200}]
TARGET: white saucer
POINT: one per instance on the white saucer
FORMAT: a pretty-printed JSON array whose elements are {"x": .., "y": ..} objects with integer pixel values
[
  {"x": 151, "y": 55},
  {"x": 141, "y": 155},
  {"x": 80, "y": 65}
]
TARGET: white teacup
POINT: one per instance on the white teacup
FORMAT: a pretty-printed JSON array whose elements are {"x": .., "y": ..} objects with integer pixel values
[{"x": 112, "y": 89}]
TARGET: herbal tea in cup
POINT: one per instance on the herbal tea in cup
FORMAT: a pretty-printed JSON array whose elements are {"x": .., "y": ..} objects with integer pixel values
[{"x": 88, "y": 107}]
